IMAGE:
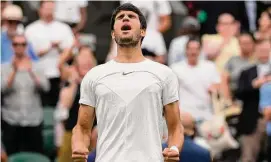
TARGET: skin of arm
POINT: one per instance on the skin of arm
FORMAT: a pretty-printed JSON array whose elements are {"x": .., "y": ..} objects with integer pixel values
[
  {"x": 175, "y": 128},
  {"x": 165, "y": 23},
  {"x": 82, "y": 23},
  {"x": 81, "y": 133},
  {"x": 11, "y": 78},
  {"x": 225, "y": 86}
]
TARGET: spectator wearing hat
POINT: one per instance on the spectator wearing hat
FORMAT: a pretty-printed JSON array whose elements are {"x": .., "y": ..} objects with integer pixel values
[
  {"x": 12, "y": 17},
  {"x": 189, "y": 28}
]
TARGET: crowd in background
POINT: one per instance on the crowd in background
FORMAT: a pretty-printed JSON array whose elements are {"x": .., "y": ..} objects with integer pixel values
[{"x": 220, "y": 52}]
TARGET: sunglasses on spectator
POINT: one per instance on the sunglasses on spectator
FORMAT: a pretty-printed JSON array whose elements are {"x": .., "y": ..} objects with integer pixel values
[
  {"x": 13, "y": 22},
  {"x": 15, "y": 44}
]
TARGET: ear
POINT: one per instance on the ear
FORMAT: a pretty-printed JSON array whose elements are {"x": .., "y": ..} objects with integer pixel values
[
  {"x": 143, "y": 32},
  {"x": 112, "y": 34}
]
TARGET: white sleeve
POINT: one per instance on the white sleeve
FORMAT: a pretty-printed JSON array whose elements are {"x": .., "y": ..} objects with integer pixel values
[
  {"x": 170, "y": 89},
  {"x": 83, "y": 3},
  {"x": 164, "y": 8},
  {"x": 87, "y": 94},
  {"x": 215, "y": 76},
  {"x": 173, "y": 52},
  {"x": 161, "y": 45},
  {"x": 68, "y": 41}
]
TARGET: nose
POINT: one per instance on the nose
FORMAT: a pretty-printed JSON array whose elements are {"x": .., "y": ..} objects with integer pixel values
[{"x": 125, "y": 18}]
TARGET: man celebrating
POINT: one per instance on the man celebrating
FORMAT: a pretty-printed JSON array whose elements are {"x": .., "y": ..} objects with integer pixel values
[{"x": 129, "y": 95}]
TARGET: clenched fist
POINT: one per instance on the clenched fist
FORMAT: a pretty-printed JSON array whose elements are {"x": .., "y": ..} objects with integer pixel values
[{"x": 170, "y": 155}]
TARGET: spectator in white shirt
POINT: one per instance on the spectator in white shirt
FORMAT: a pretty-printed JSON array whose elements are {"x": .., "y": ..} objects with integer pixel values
[
  {"x": 189, "y": 28},
  {"x": 197, "y": 79},
  {"x": 74, "y": 13},
  {"x": 49, "y": 39}
]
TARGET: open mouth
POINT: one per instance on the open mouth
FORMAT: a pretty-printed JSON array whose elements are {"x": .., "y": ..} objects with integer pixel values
[{"x": 126, "y": 27}]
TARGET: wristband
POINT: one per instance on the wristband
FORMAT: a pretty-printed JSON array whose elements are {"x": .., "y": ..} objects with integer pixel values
[{"x": 175, "y": 148}]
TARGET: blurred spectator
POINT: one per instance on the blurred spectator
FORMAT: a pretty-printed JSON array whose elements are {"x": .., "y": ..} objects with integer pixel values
[
  {"x": 67, "y": 109},
  {"x": 264, "y": 31},
  {"x": 265, "y": 108},
  {"x": 251, "y": 125},
  {"x": 74, "y": 13},
  {"x": 197, "y": 78},
  {"x": 222, "y": 46},
  {"x": 236, "y": 65},
  {"x": 189, "y": 28},
  {"x": 12, "y": 17},
  {"x": 191, "y": 152},
  {"x": 49, "y": 38},
  {"x": 21, "y": 83},
  {"x": 4, "y": 157}
]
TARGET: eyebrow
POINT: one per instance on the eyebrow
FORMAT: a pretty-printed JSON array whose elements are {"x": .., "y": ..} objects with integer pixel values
[{"x": 121, "y": 15}]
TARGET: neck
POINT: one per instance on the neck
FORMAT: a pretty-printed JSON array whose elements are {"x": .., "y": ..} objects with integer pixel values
[
  {"x": 47, "y": 19},
  {"x": 20, "y": 57},
  {"x": 192, "y": 62},
  {"x": 129, "y": 54},
  {"x": 246, "y": 55}
]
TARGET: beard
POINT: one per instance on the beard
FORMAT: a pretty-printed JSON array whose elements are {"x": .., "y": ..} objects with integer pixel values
[{"x": 127, "y": 42}]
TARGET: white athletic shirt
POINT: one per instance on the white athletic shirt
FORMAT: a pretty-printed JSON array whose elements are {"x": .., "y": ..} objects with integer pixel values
[{"x": 128, "y": 99}]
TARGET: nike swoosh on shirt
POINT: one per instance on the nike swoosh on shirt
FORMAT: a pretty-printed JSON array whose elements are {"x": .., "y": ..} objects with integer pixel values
[{"x": 127, "y": 73}]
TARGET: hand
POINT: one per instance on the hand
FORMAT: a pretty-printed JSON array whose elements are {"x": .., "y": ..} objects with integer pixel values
[
  {"x": 170, "y": 155},
  {"x": 15, "y": 64},
  {"x": 80, "y": 154},
  {"x": 258, "y": 82}
]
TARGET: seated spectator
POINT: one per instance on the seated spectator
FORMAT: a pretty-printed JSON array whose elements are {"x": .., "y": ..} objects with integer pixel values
[
  {"x": 236, "y": 65},
  {"x": 21, "y": 85},
  {"x": 197, "y": 78},
  {"x": 265, "y": 108},
  {"x": 12, "y": 16},
  {"x": 191, "y": 152},
  {"x": 49, "y": 39},
  {"x": 251, "y": 125},
  {"x": 264, "y": 30},
  {"x": 73, "y": 13},
  {"x": 67, "y": 109},
  {"x": 222, "y": 46},
  {"x": 189, "y": 28}
]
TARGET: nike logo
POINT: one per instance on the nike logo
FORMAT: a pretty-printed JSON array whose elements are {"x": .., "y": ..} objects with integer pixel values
[{"x": 127, "y": 73}]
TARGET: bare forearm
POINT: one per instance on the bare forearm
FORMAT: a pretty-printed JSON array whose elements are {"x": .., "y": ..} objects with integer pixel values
[
  {"x": 81, "y": 136},
  {"x": 176, "y": 137}
]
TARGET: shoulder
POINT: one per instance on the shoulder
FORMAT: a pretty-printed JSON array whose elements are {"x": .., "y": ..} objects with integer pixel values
[
  {"x": 160, "y": 70},
  {"x": 176, "y": 66},
  {"x": 33, "y": 25},
  {"x": 61, "y": 25},
  {"x": 207, "y": 63},
  {"x": 98, "y": 72}
]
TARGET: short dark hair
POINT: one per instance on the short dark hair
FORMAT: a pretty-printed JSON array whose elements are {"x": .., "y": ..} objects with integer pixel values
[
  {"x": 193, "y": 39},
  {"x": 249, "y": 34},
  {"x": 129, "y": 7}
]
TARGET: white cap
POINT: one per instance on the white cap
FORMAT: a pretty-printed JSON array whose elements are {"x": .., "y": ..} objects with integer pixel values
[{"x": 12, "y": 12}]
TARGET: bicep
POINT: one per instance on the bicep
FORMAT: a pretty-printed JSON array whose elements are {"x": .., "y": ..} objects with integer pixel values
[{"x": 86, "y": 116}]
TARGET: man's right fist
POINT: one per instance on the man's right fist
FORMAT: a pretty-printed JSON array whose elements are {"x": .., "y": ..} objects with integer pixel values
[{"x": 80, "y": 154}]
